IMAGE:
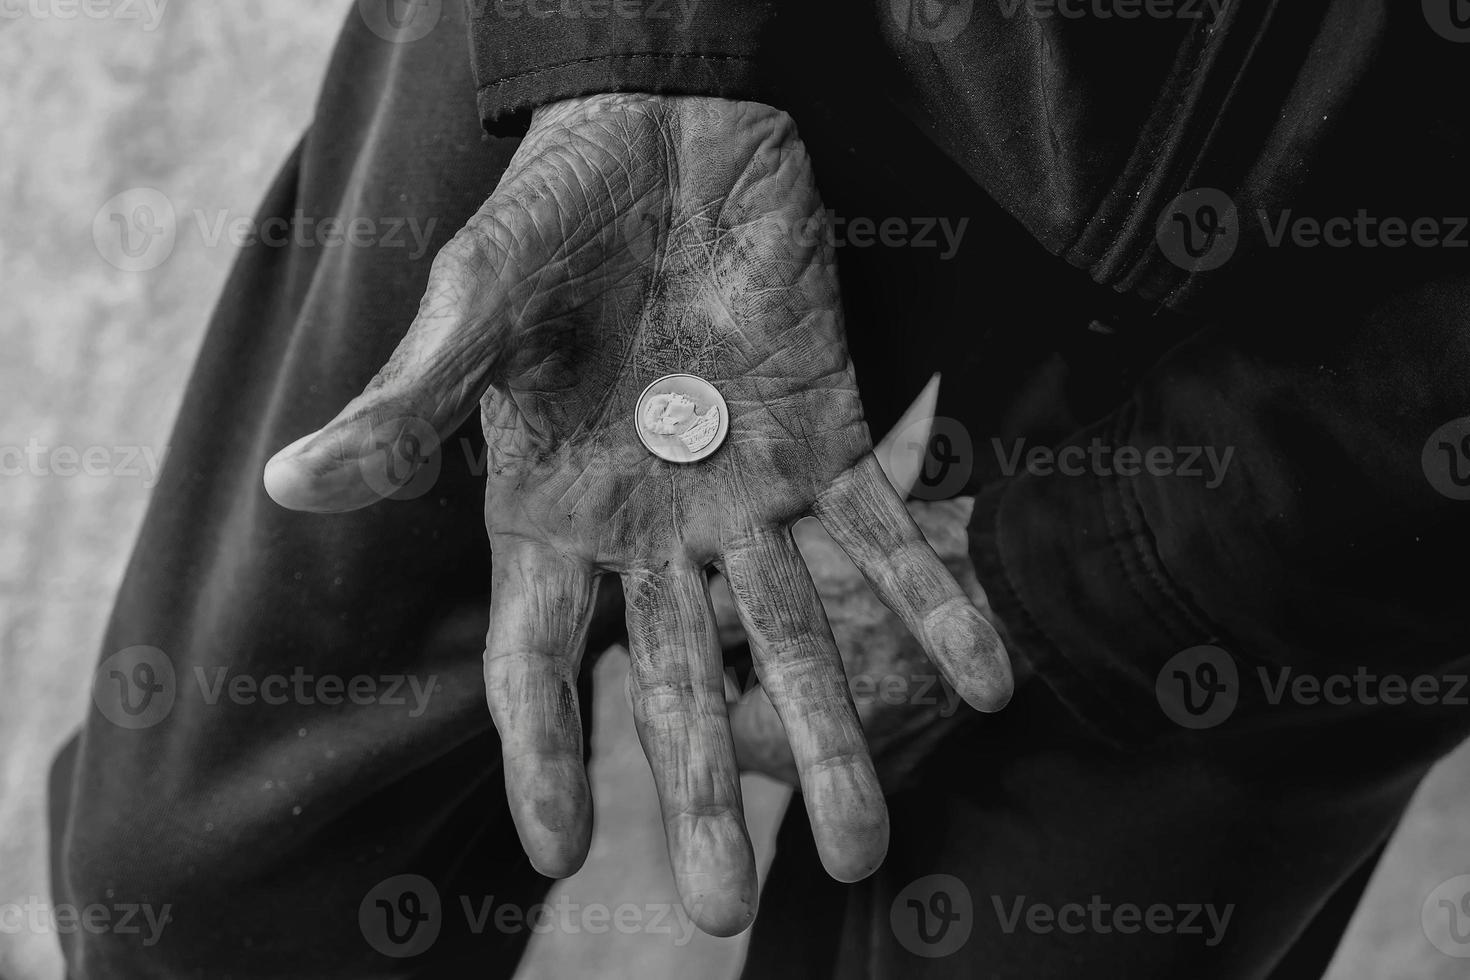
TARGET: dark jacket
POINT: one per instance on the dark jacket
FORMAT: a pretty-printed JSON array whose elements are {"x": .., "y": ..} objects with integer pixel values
[{"x": 1171, "y": 157}]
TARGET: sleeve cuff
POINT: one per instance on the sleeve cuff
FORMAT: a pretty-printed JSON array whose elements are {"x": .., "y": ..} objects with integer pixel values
[
  {"x": 528, "y": 53},
  {"x": 506, "y": 103}
]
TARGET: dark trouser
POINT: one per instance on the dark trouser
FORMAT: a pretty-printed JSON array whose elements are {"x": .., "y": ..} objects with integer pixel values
[
  {"x": 1048, "y": 837},
  {"x": 270, "y": 829}
]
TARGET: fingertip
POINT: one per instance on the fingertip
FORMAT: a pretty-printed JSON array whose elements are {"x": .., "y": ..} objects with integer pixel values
[
  {"x": 557, "y": 866},
  {"x": 714, "y": 871},
  {"x": 849, "y": 819},
  {"x": 555, "y": 824},
  {"x": 999, "y": 688},
  {"x": 557, "y": 862},
  {"x": 352, "y": 463},
  {"x": 720, "y": 905},
  {"x": 723, "y": 919},
  {"x": 964, "y": 644},
  {"x": 849, "y": 868},
  {"x": 285, "y": 479},
  {"x": 856, "y": 861}
]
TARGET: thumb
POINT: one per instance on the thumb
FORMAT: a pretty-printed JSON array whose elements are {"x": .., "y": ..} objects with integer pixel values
[{"x": 379, "y": 444}]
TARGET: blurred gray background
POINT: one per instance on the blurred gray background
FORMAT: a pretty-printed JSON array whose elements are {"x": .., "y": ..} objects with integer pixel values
[{"x": 201, "y": 102}]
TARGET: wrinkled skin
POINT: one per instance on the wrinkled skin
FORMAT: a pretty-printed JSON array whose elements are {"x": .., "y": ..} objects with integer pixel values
[
  {"x": 905, "y": 706},
  {"x": 633, "y": 237}
]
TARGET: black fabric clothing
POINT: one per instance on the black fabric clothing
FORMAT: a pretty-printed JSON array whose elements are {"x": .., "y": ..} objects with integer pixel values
[
  {"x": 265, "y": 826},
  {"x": 1035, "y": 810},
  {"x": 530, "y": 52},
  {"x": 1324, "y": 548},
  {"x": 1326, "y": 369},
  {"x": 1085, "y": 127}
]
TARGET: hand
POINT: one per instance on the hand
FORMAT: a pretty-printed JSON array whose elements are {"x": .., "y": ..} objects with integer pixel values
[
  {"x": 633, "y": 237},
  {"x": 905, "y": 707}
]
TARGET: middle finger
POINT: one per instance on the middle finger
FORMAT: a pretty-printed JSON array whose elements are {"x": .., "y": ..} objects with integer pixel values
[{"x": 678, "y": 693}]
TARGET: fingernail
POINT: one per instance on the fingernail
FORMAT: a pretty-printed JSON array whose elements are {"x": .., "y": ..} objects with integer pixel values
[{"x": 284, "y": 482}]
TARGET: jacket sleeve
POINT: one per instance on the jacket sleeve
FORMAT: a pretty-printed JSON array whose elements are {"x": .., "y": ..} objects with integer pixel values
[
  {"x": 530, "y": 52},
  {"x": 1291, "y": 490}
]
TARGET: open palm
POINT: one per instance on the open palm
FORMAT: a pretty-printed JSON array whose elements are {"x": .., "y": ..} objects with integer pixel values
[{"x": 635, "y": 237}]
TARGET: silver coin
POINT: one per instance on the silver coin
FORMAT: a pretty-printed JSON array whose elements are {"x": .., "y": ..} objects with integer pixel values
[{"x": 681, "y": 418}]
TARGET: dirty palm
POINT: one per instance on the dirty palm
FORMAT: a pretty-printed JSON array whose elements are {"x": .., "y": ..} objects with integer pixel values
[{"x": 633, "y": 237}]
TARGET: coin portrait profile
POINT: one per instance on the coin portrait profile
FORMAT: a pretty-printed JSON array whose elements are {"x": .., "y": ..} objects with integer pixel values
[
  {"x": 676, "y": 415},
  {"x": 681, "y": 418}
]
